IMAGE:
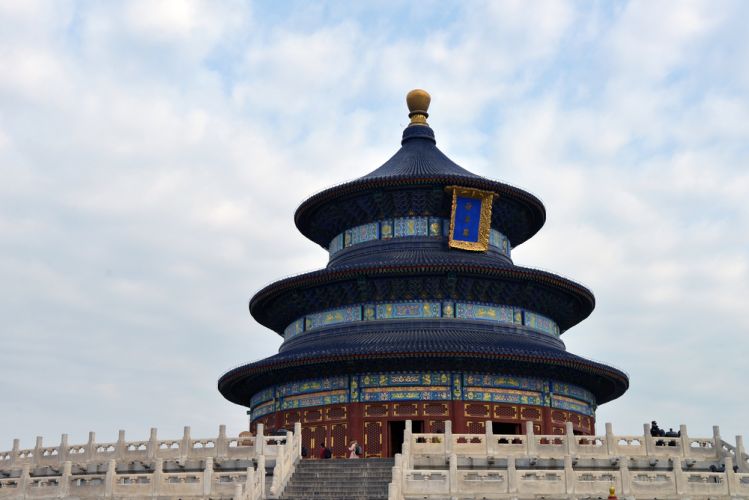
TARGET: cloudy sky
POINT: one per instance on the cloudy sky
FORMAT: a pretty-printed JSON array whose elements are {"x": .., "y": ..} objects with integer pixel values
[{"x": 152, "y": 154}]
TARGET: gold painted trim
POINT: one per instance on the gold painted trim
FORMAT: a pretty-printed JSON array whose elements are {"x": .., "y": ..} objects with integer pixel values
[{"x": 485, "y": 218}]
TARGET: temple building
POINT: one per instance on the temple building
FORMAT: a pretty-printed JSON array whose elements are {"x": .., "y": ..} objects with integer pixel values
[{"x": 421, "y": 314}]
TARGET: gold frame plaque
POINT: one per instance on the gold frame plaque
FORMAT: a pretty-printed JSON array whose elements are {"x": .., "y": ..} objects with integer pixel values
[{"x": 485, "y": 218}]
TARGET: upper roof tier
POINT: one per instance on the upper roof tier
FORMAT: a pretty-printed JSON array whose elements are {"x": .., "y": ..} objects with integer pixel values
[{"x": 413, "y": 182}]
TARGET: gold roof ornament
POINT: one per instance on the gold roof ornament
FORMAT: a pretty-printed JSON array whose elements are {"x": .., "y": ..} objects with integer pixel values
[
  {"x": 418, "y": 103},
  {"x": 612, "y": 494}
]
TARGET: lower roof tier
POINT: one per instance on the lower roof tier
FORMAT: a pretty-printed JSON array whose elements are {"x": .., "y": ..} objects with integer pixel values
[{"x": 438, "y": 348}]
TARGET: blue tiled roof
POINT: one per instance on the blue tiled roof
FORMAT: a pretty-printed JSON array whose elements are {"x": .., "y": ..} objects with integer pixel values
[{"x": 411, "y": 348}]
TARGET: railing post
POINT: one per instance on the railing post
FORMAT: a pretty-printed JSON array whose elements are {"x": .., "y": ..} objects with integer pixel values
[
  {"x": 512, "y": 478},
  {"x": 740, "y": 460},
  {"x": 120, "y": 449},
  {"x": 570, "y": 438},
  {"x": 686, "y": 449},
  {"x": 530, "y": 438},
  {"x": 37, "y": 450},
  {"x": 153, "y": 443},
  {"x": 261, "y": 471},
  {"x": 184, "y": 448},
  {"x": 489, "y": 438},
  {"x": 91, "y": 445},
  {"x": 14, "y": 453},
  {"x": 237, "y": 492},
  {"x": 717, "y": 441},
  {"x": 109, "y": 479},
  {"x": 448, "y": 437},
  {"x": 298, "y": 438},
  {"x": 63, "y": 452},
  {"x": 611, "y": 446},
  {"x": 260, "y": 442},
  {"x": 649, "y": 443},
  {"x": 278, "y": 471},
  {"x": 222, "y": 443}
]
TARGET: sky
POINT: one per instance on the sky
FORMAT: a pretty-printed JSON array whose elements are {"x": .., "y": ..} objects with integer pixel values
[{"x": 152, "y": 155}]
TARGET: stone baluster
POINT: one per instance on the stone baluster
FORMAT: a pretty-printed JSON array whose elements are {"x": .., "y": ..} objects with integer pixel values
[
  {"x": 408, "y": 433},
  {"x": 261, "y": 471},
  {"x": 530, "y": 438},
  {"x": 222, "y": 443},
  {"x": 153, "y": 443},
  {"x": 686, "y": 449},
  {"x": 14, "y": 452},
  {"x": 649, "y": 441},
  {"x": 207, "y": 477},
  {"x": 260, "y": 441},
  {"x": 489, "y": 438},
  {"x": 717, "y": 441},
  {"x": 452, "y": 478},
  {"x": 740, "y": 452},
  {"x": 237, "y": 492},
  {"x": 185, "y": 445},
  {"x": 91, "y": 446},
  {"x": 512, "y": 477},
  {"x": 120, "y": 448},
  {"x": 570, "y": 438},
  {"x": 64, "y": 451},
  {"x": 448, "y": 437},
  {"x": 109, "y": 479},
  {"x": 64, "y": 487}
]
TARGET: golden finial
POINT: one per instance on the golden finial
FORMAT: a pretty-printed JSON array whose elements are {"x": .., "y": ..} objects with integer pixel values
[
  {"x": 418, "y": 103},
  {"x": 612, "y": 493}
]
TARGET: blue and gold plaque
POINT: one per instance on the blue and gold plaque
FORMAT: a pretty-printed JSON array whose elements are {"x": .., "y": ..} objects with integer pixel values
[{"x": 470, "y": 220}]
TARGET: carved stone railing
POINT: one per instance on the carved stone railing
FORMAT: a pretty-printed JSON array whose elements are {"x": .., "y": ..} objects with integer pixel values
[
  {"x": 568, "y": 466},
  {"x": 186, "y": 468}
]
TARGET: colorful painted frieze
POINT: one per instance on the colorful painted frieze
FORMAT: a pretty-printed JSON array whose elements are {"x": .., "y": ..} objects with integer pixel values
[
  {"x": 570, "y": 404},
  {"x": 394, "y": 379},
  {"x": 405, "y": 310},
  {"x": 540, "y": 323},
  {"x": 312, "y": 385},
  {"x": 503, "y": 396},
  {"x": 294, "y": 328},
  {"x": 500, "y": 314},
  {"x": 386, "y": 229},
  {"x": 405, "y": 394},
  {"x": 369, "y": 312},
  {"x": 435, "y": 226},
  {"x": 448, "y": 309},
  {"x": 365, "y": 232},
  {"x": 336, "y": 244},
  {"x": 411, "y": 226},
  {"x": 572, "y": 391},
  {"x": 262, "y": 396},
  {"x": 402, "y": 227},
  {"x": 319, "y": 399},
  {"x": 496, "y": 381},
  {"x": 333, "y": 317},
  {"x": 264, "y": 409}
]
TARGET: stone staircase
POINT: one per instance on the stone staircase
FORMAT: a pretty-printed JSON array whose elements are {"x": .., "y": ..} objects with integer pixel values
[{"x": 340, "y": 479}]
